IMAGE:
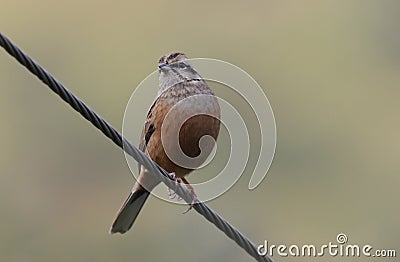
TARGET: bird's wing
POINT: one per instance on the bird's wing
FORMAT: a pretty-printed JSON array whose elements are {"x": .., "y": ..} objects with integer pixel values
[{"x": 147, "y": 131}]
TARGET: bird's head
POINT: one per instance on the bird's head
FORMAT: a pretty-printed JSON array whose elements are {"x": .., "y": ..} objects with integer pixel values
[{"x": 174, "y": 68}]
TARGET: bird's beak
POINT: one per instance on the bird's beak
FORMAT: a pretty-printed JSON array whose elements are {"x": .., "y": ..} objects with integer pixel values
[{"x": 160, "y": 66}]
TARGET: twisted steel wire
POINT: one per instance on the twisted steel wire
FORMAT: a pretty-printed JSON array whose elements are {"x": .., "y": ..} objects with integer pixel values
[{"x": 123, "y": 143}]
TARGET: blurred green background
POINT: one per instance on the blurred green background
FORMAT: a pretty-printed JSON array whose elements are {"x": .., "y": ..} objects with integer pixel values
[{"x": 329, "y": 68}]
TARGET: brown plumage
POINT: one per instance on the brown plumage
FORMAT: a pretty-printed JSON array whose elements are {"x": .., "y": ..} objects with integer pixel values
[{"x": 182, "y": 95}]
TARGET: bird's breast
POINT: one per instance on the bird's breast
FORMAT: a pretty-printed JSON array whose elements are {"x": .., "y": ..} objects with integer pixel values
[{"x": 186, "y": 131}]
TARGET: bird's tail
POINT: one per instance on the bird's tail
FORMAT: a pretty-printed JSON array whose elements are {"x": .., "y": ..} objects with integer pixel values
[{"x": 129, "y": 211}]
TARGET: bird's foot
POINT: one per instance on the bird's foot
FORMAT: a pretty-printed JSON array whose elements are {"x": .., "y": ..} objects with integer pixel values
[
  {"x": 178, "y": 180},
  {"x": 194, "y": 198},
  {"x": 171, "y": 193}
]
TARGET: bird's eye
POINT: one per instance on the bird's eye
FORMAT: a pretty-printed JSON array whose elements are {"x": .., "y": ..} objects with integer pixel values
[{"x": 182, "y": 65}]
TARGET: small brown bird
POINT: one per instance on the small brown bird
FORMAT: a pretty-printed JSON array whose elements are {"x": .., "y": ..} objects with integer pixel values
[{"x": 185, "y": 110}]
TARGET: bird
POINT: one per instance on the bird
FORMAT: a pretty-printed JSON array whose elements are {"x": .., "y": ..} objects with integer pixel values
[{"x": 184, "y": 111}]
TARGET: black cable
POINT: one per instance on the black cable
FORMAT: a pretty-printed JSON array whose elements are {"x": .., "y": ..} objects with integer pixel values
[{"x": 123, "y": 143}]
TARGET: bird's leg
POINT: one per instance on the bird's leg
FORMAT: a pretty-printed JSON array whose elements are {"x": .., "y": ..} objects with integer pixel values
[
  {"x": 194, "y": 196},
  {"x": 172, "y": 194}
]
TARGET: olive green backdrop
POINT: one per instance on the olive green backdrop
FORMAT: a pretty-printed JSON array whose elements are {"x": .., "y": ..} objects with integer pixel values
[{"x": 329, "y": 68}]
